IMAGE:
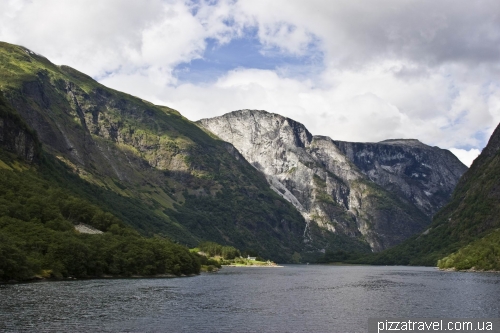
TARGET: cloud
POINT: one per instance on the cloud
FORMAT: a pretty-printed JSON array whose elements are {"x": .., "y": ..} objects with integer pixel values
[
  {"x": 93, "y": 38},
  {"x": 112, "y": 36},
  {"x": 466, "y": 156},
  {"x": 354, "y": 32},
  {"x": 370, "y": 105},
  {"x": 362, "y": 70}
]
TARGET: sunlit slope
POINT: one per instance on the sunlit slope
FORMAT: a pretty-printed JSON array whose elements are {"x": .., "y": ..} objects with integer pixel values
[{"x": 38, "y": 218}]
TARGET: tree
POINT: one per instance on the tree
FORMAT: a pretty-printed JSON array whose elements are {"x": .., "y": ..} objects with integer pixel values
[{"x": 296, "y": 258}]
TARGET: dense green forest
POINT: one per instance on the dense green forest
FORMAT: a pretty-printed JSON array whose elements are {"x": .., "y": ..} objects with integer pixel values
[
  {"x": 213, "y": 249},
  {"x": 483, "y": 254},
  {"x": 38, "y": 238},
  {"x": 214, "y": 256}
]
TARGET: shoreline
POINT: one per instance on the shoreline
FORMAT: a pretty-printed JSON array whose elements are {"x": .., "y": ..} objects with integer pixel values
[
  {"x": 470, "y": 270},
  {"x": 253, "y": 266},
  {"x": 104, "y": 277}
]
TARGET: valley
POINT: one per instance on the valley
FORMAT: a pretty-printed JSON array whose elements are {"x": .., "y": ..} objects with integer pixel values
[{"x": 250, "y": 179}]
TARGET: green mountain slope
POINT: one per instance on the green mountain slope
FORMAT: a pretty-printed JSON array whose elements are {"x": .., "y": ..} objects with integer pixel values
[
  {"x": 37, "y": 218},
  {"x": 37, "y": 235},
  {"x": 468, "y": 224},
  {"x": 146, "y": 164},
  {"x": 482, "y": 254}
]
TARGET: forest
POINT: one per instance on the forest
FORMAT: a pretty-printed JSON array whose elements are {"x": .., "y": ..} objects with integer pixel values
[{"x": 38, "y": 237}]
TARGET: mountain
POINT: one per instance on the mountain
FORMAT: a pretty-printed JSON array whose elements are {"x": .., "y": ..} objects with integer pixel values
[
  {"x": 375, "y": 193},
  {"x": 38, "y": 237},
  {"x": 154, "y": 170},
  {"x": 146, "y": 164},
  {"x": 464, "y": 233}
]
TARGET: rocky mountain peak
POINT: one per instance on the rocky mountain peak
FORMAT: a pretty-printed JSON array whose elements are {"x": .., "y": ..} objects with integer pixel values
[
  {"x": 272, "y": 125},
  {"x": 404, "y": 142},
  {"x": 380, "y": 193}
]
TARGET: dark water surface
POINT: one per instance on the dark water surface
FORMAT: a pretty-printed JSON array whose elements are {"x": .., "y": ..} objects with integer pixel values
[{"x": 290, "y": 299}]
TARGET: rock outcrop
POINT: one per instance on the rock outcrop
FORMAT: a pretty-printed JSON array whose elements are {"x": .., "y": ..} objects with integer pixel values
[
  {"x": 381, "y": 193},
  {"x": 15, "y": 136},
  {"x": 423, "y": 175}
]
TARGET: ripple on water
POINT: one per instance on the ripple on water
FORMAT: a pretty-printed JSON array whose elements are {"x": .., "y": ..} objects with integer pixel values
[{"x": 290, "y": 299}]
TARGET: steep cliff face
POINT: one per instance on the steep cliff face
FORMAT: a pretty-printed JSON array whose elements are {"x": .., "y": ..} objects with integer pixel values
[
  {"x": 15, "y": 136},
  {"x": 423, "y": 175},
  {"x": 150, "y": 166},
  {"x": 320, "y": 177}
]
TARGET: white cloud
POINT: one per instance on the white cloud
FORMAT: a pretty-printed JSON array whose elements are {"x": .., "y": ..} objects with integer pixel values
[
  {"x": 466, "y": 156},
  {"x": 113, "y": 36},
  {"x": 95, "y": 37},
  {"x": 390, "y": 69},
  {"x": 370, "y": 105}
]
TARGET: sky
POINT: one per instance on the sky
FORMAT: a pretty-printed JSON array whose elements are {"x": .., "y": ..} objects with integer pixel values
[{"x": 352, "y": 70}]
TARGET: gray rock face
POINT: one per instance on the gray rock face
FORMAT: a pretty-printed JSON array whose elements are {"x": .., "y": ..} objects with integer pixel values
[
  {"x": 423, "y": 175},
  {"x": 390, "y": 196},
  {"x": 15, "y": 136},
  {"x": 18, "y": 140}
]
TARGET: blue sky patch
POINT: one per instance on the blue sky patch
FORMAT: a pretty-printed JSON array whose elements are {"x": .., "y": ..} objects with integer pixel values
[{"x": 245, "y": 52}]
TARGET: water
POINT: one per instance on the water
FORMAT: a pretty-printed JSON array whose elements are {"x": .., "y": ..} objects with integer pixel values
[{"x": 290, "y": 299}]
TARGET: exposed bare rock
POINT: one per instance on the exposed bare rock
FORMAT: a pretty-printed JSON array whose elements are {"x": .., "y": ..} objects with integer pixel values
[
  {"x": 388, "y": 197},
  {"x": 87, "y": 229},
  {"x": 423, "y": 175},
  {"x": 15, "y": 136}
]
